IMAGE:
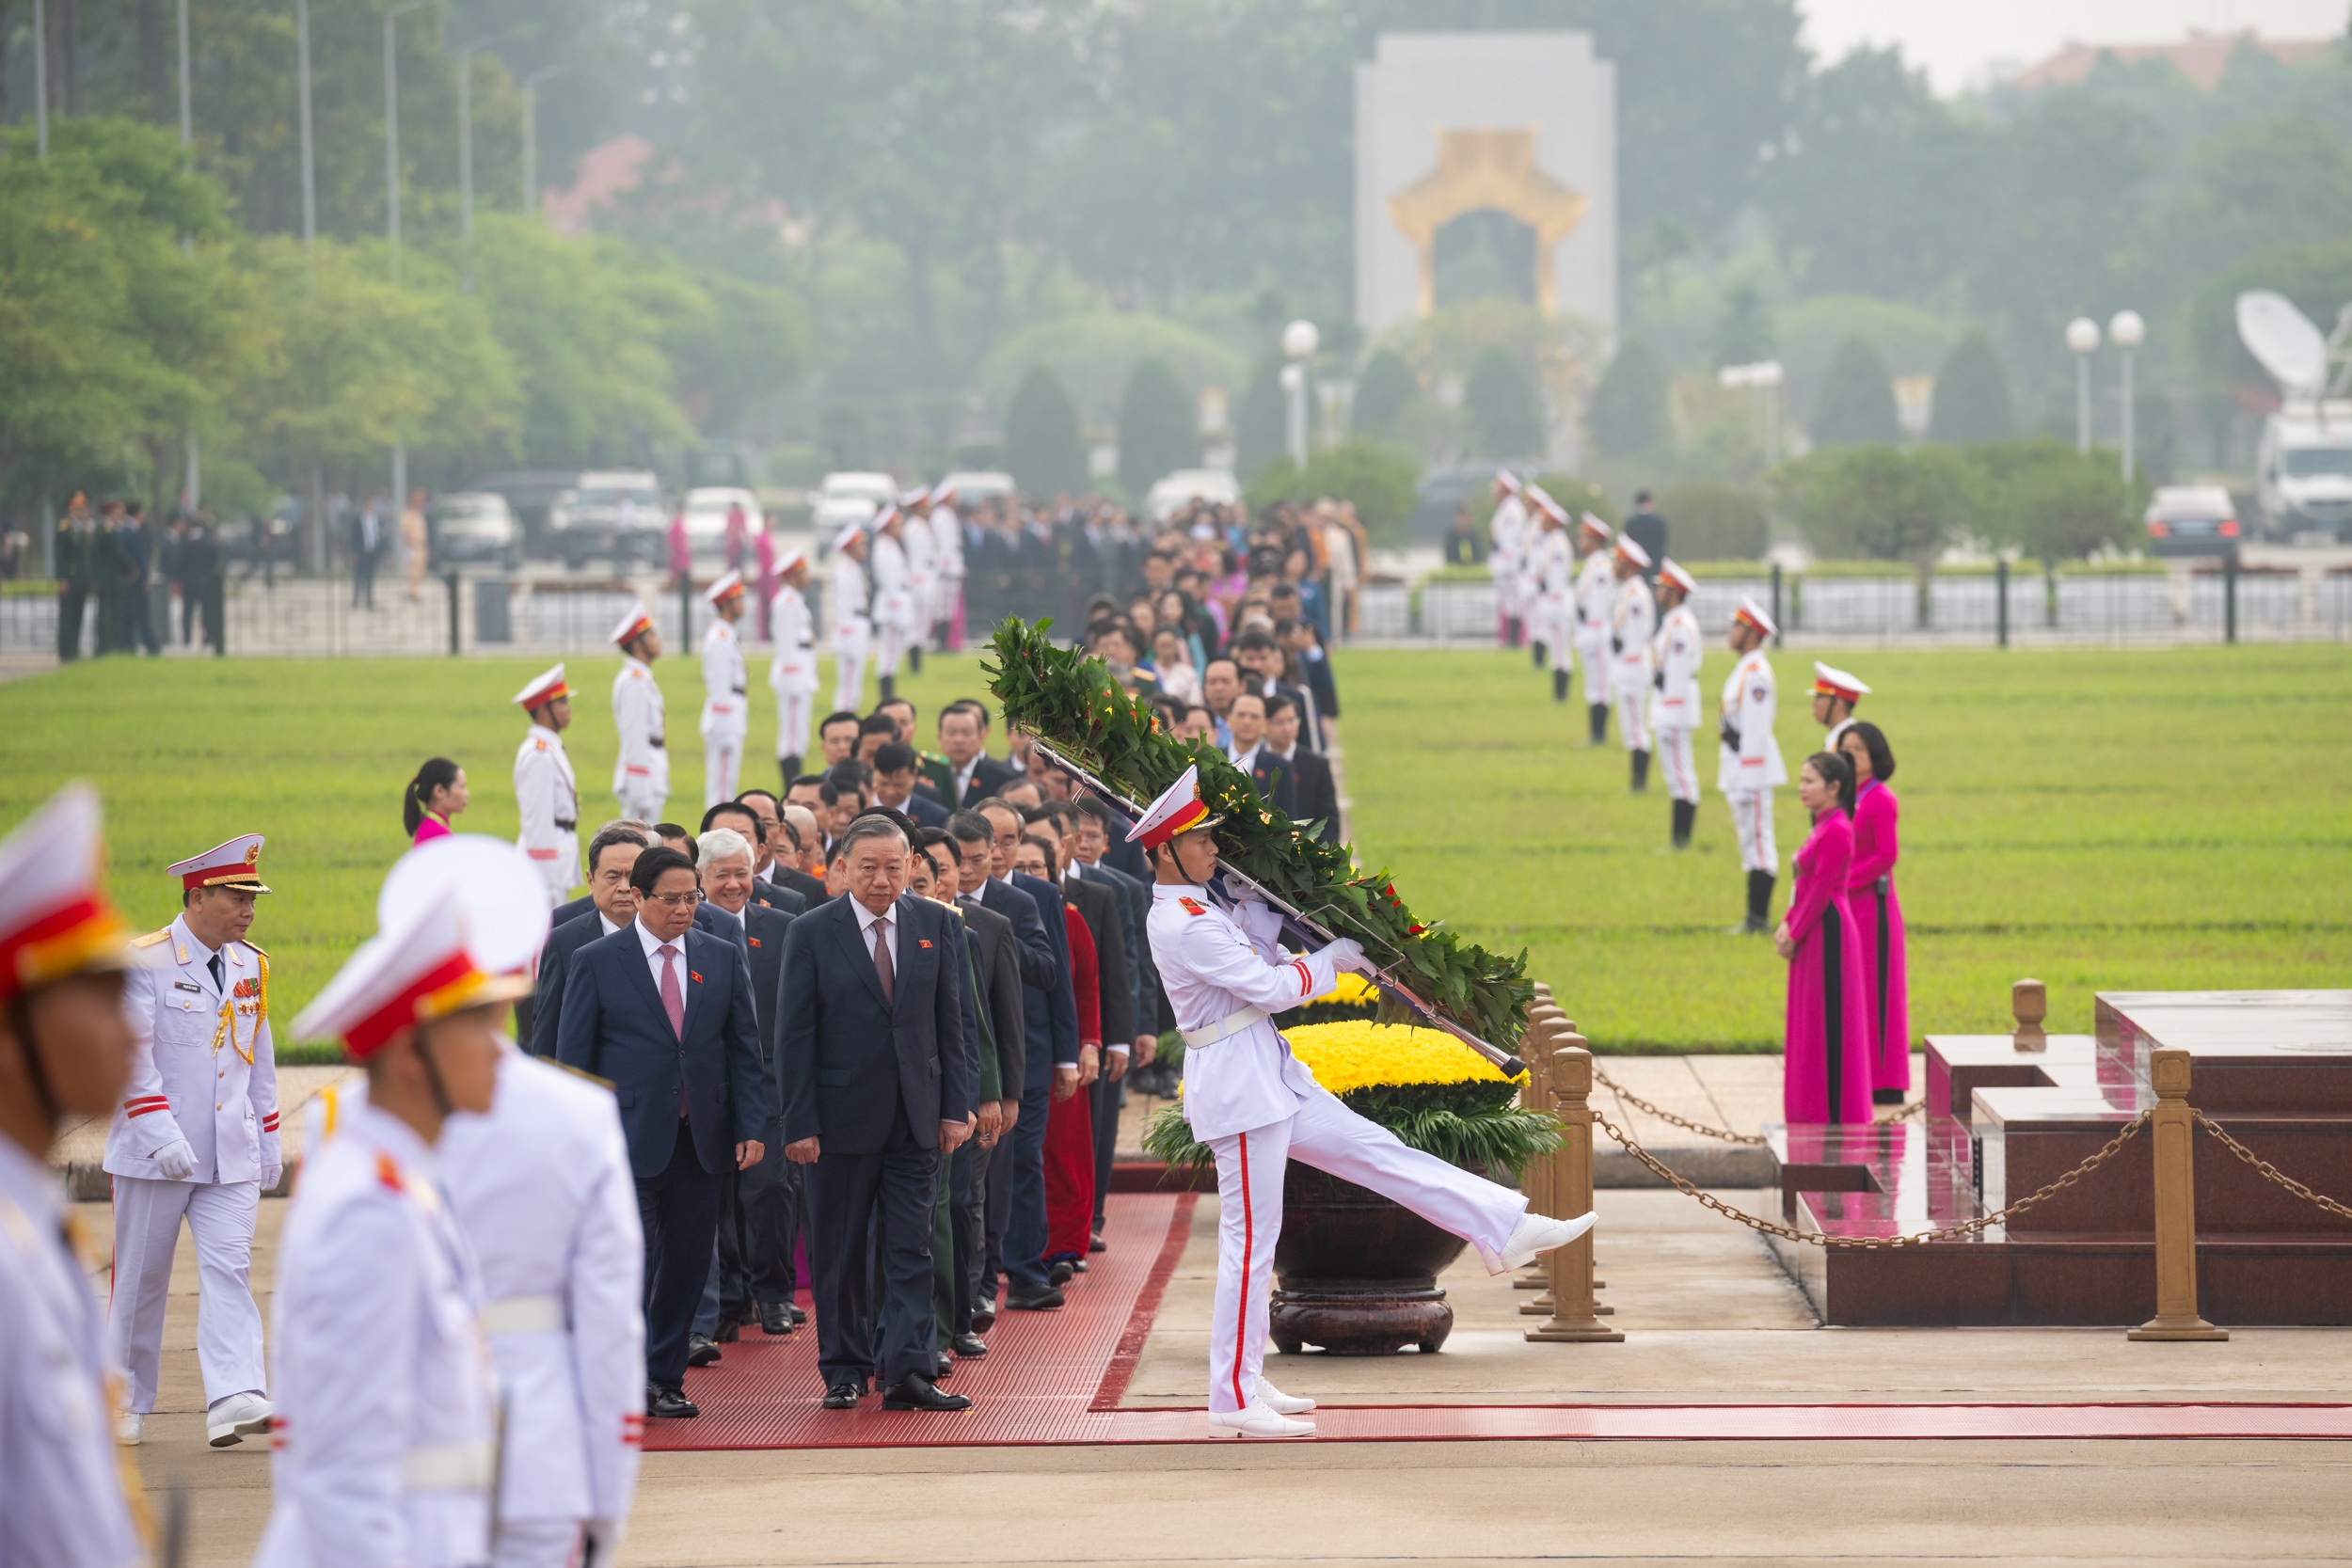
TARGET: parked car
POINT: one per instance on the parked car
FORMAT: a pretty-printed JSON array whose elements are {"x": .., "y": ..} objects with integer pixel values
[
  {"x": 475, "y": 526},
  {"x": 849, "y": 497},
  {"x": 706, "y": 519},
  {"x": 2191, "y": 519},
  {"x": 1180, "y": 489},
  {"x": 977, "y": 486},
  {"x": 616, "y": 513}
]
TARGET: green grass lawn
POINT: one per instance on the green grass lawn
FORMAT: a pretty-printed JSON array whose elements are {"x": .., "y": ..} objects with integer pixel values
[{"x": 2101, "y": 820}]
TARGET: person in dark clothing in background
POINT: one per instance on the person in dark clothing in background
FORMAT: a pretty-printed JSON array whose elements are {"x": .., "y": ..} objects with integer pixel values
[{"x": 1648, "y": 528}]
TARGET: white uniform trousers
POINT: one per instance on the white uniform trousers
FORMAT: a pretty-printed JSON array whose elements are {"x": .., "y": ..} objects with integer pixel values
[
  {"x": 1592, "y": 651},
  {"x": 794, "y": 712},
  {"x": 1633, "y": 714},
  {"x": 220, "y": 1217},
  {"x": 890, "y": 647},
  {"x": 1752, "y": 816},
  {"x": 540, "y": 1544},
  {"x": 1328, "y": 1136},
  {"x": 1679, "y": 763},
  {"x": 641, "y": 803},
  {"x": 723, "y": 768},
  {"x": 849, "y": 683}
]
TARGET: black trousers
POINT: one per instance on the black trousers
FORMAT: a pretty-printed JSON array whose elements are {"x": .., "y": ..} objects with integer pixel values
[
  {"x": 681, "y": 1212},
  {"x": 73, "y": 600},
  {"x": 864, "y": 1211},
  {"x": 967, "y": 1208},
  {"x": 1107, "y": 1098},
  {"x": 756, "y": 1242}
]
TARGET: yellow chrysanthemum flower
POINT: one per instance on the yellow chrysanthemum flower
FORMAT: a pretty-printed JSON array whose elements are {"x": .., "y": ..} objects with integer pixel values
[
  {"x": 1352, "y": 990},
  {"x": 1358, "y": 1053}
]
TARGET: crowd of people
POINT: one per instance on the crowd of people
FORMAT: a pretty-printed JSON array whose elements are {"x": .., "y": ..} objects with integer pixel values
[{"x": 143, "y": 586}]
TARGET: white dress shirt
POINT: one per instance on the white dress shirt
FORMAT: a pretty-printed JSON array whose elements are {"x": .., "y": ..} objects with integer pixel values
[
  {"x": 963, "y": 782},
  {"x": 868, "y": 924},
  {"x": 1248, "y": 759},
  {"x": 653, "y": 945}
]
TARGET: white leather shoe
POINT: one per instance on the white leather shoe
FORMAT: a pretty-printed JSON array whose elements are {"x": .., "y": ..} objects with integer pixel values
[
  {"x": 1257, "y": 1421},
  {"x": 1534, "y": 1235},
  {"x": 1279, "y": 1402},
  {"x": 130, "y": 1430},
  {"x": 235, "y": 1419}
]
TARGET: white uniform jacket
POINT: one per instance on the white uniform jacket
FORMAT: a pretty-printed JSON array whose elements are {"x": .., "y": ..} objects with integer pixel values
[
  {"x": 852, "y": 623},
  {"x": 549, "y": 800},
  {"x": 922, "y": 552},
  {"x": 725, "y": 717},
  {"x": 1632, "y": 627},
  {"x": 384, "y": 1433},
  {"x": 1554, "y": 576},
  {"x": 793, "y": 671},
  {"x": 1680, "y": 651},
  {"x": 1217, "y": 977},
  {"x": 203, "y": 1067},
  {"x": 63, "y": 1503},
  {"x": 948, "y": 544},
  {"x": 1750, "y": 756},
  {"x": 1506, "y": 533},
  {"x": 894, "y": 605},
  {"x": 641, "y": 719},
  {"x": 1596, "y": 593}
]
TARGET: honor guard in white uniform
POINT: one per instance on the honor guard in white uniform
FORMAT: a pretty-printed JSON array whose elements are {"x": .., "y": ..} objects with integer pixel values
[
  {"x": 386, "y": 1432},
  {"x": 546, "y": 793},
  {"x": 915, "y": 537},
  {"x": 642, "y": 777},
  {"x": 852, "y": 620},
  {"x": 1750, "y": 769},
  {"x": 726, "y": 717},
  {"x": 1550, "y": 576},
  {"x": 1533, "y": 610},
  {"x": 1506, "y": 533},
  {"x": 195, "y": 1138},
  {"x": 893, "y": 604},
  {"x": 1633, "y": 633},
  {"x": 1675, "y": 707},
  {"x": 948, "y": 560},
  {"x": 1835, "y": 696},
  {"x": 792, "y": 672},
  {"x": 1252, "y": 1103},
  {"x": 65, "y": 1049},
  {"x": 1596, "y": 593}
]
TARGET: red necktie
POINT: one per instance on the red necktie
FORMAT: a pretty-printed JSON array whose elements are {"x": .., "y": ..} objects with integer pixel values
[
  {"x": 882, "y": 967},
  {"x": 673, "y": 998}
]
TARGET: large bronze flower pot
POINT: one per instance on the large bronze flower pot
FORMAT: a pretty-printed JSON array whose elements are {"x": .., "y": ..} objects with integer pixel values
[{"x": 1355, "y": 1274}]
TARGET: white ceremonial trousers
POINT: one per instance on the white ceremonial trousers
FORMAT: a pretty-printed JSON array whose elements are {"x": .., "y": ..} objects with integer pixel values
[
  {"x": 641, "y": 776},
  {"x": 792, "y": 672},
  {"x": 547, "y": 798},
  {"x": 1674, "y": 705},
  {"x": 852, "y": 633},
  {"x": 1632, "y": 626},
  {"x": 894, "y": 605},
  {"x": 1595, "y": 590}
]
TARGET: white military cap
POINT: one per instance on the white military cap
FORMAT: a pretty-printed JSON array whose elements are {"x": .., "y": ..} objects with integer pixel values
[
  {"x": 1179, "y": 810},
  {"x": 421, "y": 970},
  {"x": 1595, "y": 527},
  {"x": 849, "y": 536},
  {"x": 1672, "y": 571},
  {"x": 1753, "y": 613},
  {"x": 542, "y": 688},
  {"x": 1631, "y": 549},
  {"x": 235, "y": 864},
  {"x": 638, "y": 620},
  {"x": 503, "y": 897},
  {"x": 725, "y": 588},
  {"x": 55, "y": 916},
  {"x": 1832, "y": 682},
  {"x": 786, "y": 566}
]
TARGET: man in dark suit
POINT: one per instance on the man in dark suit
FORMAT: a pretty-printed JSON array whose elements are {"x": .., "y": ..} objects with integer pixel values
[
  {"x": 1317, "y": 794},
  {"x": 876, "y": 1091},
  {"x": 795, "y": 835},
  {"x": 893, "y": 786},
  {"x": 609, "y": 906},
  {"x": 663, "y": 1012},
  {"x": 964, "y": 740},
  {"x": 767, "y": 816},
  {"x": 1276, "y": 785},
  {"x": 1263, "y": 663},
  {"x": 1051, "y": 1009}
]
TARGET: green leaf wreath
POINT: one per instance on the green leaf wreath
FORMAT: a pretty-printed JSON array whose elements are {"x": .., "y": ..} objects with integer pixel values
[{"x": 1073, "y": 701}]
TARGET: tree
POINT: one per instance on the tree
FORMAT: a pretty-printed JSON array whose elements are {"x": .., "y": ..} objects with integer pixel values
[
  {"x": 1506, "y": 418},
  {"x": 1159, "y": 432},
  {"x": 1876, "y": 503},
  {"x": 1715, "y": 522},
  {"x": 1971, "y": 395},
  {"x": 1856, "y": 403},
  {"x": 1628, "y": 414},
  {"x": 1261, "y": 430},
  {"x": 1744, "y": 335},
  {"x": 1043, "y": 451},
  {"x": 1383, "y": 392},
  {"x": 1379, "y": 478},
  {"x": 2052, "y": 502}
]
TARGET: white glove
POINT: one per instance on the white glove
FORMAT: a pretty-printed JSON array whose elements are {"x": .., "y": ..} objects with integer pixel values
[
  {"x": 1262, "y": 924},
  {"x": 1346, "y": 953},
  {"x": 270, "y": 1177},
  {"x": 175, "y": 1161}
]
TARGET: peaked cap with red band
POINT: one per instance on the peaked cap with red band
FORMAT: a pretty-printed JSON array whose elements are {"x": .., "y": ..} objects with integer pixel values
[
  {"x": 725, "y": 588},
  {"x": 1631, "y": 549},
  {"x": 544, "y": 687},
  {"x": 236, "y": 864},
  {"x": 1670, "y": 570},
  {"x": 1179, "y": 810},
  {"x": 1828, "y": 681},
  {"x": 1595, "y": 527},
  {"x": 1753, "y": 614},
  {"x": 499, "y": 885},
  {"x": 635, "y": 623},
  {"x": 55, "y": 919}
]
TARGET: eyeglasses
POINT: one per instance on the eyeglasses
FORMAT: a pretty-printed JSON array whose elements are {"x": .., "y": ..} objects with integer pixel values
[{"x": 675, "y": 900}]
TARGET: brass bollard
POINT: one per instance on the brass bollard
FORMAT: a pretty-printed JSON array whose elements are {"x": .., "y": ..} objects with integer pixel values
[
  {"x": 1571, "y": 1266},
  {"x": 2029, "y": 1003},
  {"x": 1545, "y": 1024},
  {"x": 2172, "y": 1130}
]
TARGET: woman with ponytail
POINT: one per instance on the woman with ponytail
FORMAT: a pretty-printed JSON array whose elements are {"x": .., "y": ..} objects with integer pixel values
[
  {"x": 1826, "y": 1066},
  {"x": 437, "y": 794}
]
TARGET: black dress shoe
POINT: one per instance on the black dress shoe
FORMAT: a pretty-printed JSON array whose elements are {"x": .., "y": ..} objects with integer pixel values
[
  {"x": 730, "y": 1330},
  {"x": 700, "y": 1351},
  {"x": 670, "y": 1403},
  {"x": 798, "y": 1316},
  {"x": 983, "y": 1318},
  {"x": 843, "y": 1396},
  {"x": 916, "y": 1393},
  {"x": 1096, "y": 1243},
  {"x": 774, "y": 1318},
  {"x": 1059, "y": 1274},
  {"x": 969, "y": 1347},
  {"x": 946, "y": 1369},
  {"x": 1031, "y": 1298},
  {"x": 1079, "y": 1264}
]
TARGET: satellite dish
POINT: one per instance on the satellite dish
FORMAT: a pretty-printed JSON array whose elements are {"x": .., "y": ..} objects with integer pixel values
[{"x": 2284, "y": 339}]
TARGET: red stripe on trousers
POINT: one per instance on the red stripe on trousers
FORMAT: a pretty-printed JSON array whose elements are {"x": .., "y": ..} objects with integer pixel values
[{"x": 1249, "y": 1234}]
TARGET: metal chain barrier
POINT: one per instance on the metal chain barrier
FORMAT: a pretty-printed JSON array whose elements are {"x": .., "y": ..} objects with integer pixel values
[
  {"x": 2271, "y": 1172},
  {"x": 1944, "y": 1233},
  {"x": 1906, "y": 1112},
  {"x": 1665, "y": 1116}
]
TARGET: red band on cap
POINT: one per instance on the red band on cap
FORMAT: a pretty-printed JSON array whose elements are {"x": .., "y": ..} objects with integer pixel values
[
  {"x": 1184, "y": 821},
  {"x": 82, "y": 909},
  {"x": 399, "y": 1010}
]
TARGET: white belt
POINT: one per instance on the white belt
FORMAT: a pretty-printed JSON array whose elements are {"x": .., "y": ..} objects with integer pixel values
[
  {"x": 1224, "y": 1028},
  {"x": 461, "y": 1468},
  {"x": 523, "y": 1315}
]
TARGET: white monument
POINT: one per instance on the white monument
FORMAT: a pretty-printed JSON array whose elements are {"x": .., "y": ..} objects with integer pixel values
[{"x": 1448, "y": 124}]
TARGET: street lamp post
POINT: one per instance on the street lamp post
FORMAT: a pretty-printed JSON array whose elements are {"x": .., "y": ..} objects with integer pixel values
[
  {"x": 40, "y": 78},
  {"x": 2082, "y": 336},
  {"x": 1299, "y": 341},
  {"x": 2127, "y": 332},
  {"x": 530, "y": 135}
]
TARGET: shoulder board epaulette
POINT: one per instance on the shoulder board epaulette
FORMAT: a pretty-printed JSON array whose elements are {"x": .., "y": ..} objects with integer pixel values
[
  {"x": 1192, "y": 906},
  {"x": 604, "y": 1084},
  {"x": 152, "y": 937},
  {"x": 259, "y": 951},
  {"x": 389, "y": 1173}
]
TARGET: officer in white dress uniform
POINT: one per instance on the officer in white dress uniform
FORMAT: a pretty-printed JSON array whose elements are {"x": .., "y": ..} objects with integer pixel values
[
  {"x": 726, "y": 717},
  {"x": 1675, "y": 707},
  {"x": 541, "y": 1192},
  {"x": 196, "y": 1137},
  {"x": 1551, "y": 576},
  {"x": 641, "y": 778},
  {"x": 893, "y": 604},
  {"x": 1632, "y": 656},
  {"x": 1749, "y": 767},
  {"x": 1534, "y": 611},
  {"x": 1507, "y": 533},
  {"x": 915, "y": 537},
  {"x": 65, "y": 1050},
  {"x": 1252, "y": 1103},
  {"x": 386, "y": 1432},
  {"x": 792, "y": 672},
  {"x": 852, "y": 622},
  {"x": 545, "y": 790},
  {"x": 948, "y": 562},
  {"x": 1595, "y": 592},
  {"x": 1835, "y": 696}
]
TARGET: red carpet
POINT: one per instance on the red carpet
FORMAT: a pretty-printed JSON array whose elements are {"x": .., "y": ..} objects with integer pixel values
[{"x": 1058, "y": 1377}]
